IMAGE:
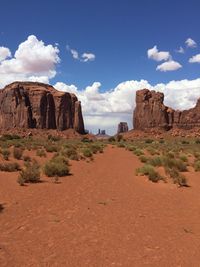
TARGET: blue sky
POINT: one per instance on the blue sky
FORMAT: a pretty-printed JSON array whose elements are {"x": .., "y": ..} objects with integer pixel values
[{"x": 118, "y": 33}]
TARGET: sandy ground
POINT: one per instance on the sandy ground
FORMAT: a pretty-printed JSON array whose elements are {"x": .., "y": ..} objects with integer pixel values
[{"x": 101, "y": 216}]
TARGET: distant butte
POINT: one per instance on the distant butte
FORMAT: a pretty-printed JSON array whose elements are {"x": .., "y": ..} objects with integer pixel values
[{"x": 40, "y": 106}]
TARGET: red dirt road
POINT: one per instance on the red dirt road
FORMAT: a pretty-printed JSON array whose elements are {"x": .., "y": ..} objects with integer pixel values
[{"x": 101, "y": 216}]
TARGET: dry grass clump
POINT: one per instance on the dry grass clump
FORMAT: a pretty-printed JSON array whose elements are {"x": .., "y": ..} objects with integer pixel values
[
  {"x": 149, "y": 171},
  {"x": 17, "y": 152},
  {"x": 30, "y": 173},
  {"x": 9, "y": 167},
  {"x": 57, "y": 166},
  {"x": 41, "y": 153}
]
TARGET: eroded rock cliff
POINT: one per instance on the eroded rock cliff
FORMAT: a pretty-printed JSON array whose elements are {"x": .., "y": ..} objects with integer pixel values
[
  {"x": 150, "y": 112},
  {"x": 38, "y": 105}
]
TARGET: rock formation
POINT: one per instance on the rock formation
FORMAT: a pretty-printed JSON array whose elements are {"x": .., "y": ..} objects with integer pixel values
[
  {"x": 122, "y": 127},
  {"x": 150, "y": 112},
  {"x": 38, "y": 105}
]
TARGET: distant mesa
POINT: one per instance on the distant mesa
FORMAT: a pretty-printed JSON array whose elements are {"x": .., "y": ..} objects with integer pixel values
[
  {"x": 150, "y": 112},
  {"x": 40, "y": 106},
  {"x": 102, "y": 134},
  {"x": 122, "y": 127}
]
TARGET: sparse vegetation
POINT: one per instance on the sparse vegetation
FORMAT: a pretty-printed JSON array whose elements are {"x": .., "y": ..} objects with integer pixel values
[
  {"x": 9, "y": 167},
  {"x": 41, "y": 153},
  {"x": 57, "y": 166},
  {"x": 5, "y": 153},
  {"x": 17, "y": 152},
  {"x": 30, "y": 173},
  {"x": 149, "y": 171}
]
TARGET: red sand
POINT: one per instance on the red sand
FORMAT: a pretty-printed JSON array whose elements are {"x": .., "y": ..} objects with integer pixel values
[{"x": 101, "y": 216}]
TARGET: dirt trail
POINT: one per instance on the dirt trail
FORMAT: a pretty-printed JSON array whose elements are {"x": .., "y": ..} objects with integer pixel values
[{"x": 101, "y": 216}]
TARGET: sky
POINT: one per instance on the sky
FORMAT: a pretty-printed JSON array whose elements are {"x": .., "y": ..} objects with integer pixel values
[{"x": 104, "y": 51}]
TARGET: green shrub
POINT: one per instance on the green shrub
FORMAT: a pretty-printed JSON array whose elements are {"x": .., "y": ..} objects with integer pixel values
[
  {"x": 41, "y": 153},
  {"x": 149, "y": 141},
  {"x": 9, "y": 167},
  {"x": 138, "y": 152},
  {"x": 149, "y": 171},
  {"x": 156, "y": 161},
  {"x": 70, "y": 153},
  {"x": 30, "y": 173},
  {"x": 143, "y": 159},
  {"x": 111, "y": 139},
  {"x": 121, "y": 144},
  {"x": 183, "y": 158},
  {"x": 87, "y": 153},
  {"x": 152, "y": 151},
  {"x": 51, "y": 148},
  {"x": 26, "y": 158},
  {"x": 17, "y": 152},
  {"x": 96, "y": 148},
  {"x": 5, "y": 153},
  {"x": 57, "y": 166},
  {"x": 197, "y": 166},
  {"x": 177, "y": 177}
]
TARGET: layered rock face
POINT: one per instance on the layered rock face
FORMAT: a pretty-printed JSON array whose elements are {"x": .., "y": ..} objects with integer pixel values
[
  {"x": 38, "y": 105},
  {"x": 122, "y": 127},
  {"x": 150, "y": 112}
]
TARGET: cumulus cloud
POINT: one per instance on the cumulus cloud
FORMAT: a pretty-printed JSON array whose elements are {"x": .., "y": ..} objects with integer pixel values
[
  {"x": 190, "y": 43},
  {"x": 195, "y": 59},
  {"x": 88, "y": 57},
  {"x": 4, "y": 53},
  {"x": 33, "y": 60},
  {"x": 170, "y": 65},
  {"x": 85, "y": 57},
  {"x": 154, "y": 54},
  {"x": 107, "y": 108},
  {"x": 180, "y": 50}
]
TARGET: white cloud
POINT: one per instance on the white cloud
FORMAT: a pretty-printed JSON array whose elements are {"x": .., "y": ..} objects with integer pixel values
[
  {"x": 180, "y": 50},
  {"x": 4, "y": 53},
  {"x": 195, "y": 59},
  {"x": 106, "y": 109},
  {"x": 88, "y": 57},
  {"x": 190, "y": 43},
  {"x": 33, "y": 60},
  {"x": 85, "y": 57},
  {"x": 74, "y": 53},
  {"x": 170, "y": 65},
  {"x": 154, "y": 54}
]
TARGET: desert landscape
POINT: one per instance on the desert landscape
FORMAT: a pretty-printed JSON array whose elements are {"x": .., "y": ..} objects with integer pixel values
[
  {"x": 99, "y": 133},
  {"x": 70, "y": 199}
]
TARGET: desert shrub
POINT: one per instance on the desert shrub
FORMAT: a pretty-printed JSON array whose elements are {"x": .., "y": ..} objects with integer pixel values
[
  {"x": 149, "y": 141},
  {"x": 70, "y": 153},
  {"x": 197, "y": 155},
  {"x": 96, "y": 148},
  {"x": 121, "y": 144},
  {"x": 143, "y": 159},
  {"x": 149, "y": 171},
  {"x": 5, "y": 153},
  {"x": 177, "y": 177},
  {"x": 152, "y": 151},
  {"x": 53, "y": 138},
  {"x": 26, "y": 158},
  {"x": 161, "y": 141},
  {"x": 41, "y": 153},
  {"x": 119, "y": 138},
  {"x": 172, "y": 163},
  {"x": 1, "y": 207},
  {"x": 111, "y": 139},
  {"x": 87, "y": 153},
  {"x": 57, "y": 166},
  {"x": 185, "y": 142},
  {"x": 86, "y": 140},
  {"x": 156, "y": 161},
  {"x": 138, "y": 152},
  {"x": 51, "y": 148},
  {"x": 197, "y": 141},
  {"x": 30, "y": 173},
  {"x": 131, "y": 148},
  {"x": 6, "y": 137},
  {"x": 170, "y": 155},
  {"x": 183, "y": 158},
  {"x": 17, "y": 152},
  {"x": 9, "y": 167},
  {"x": 197, "y": 166}
]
